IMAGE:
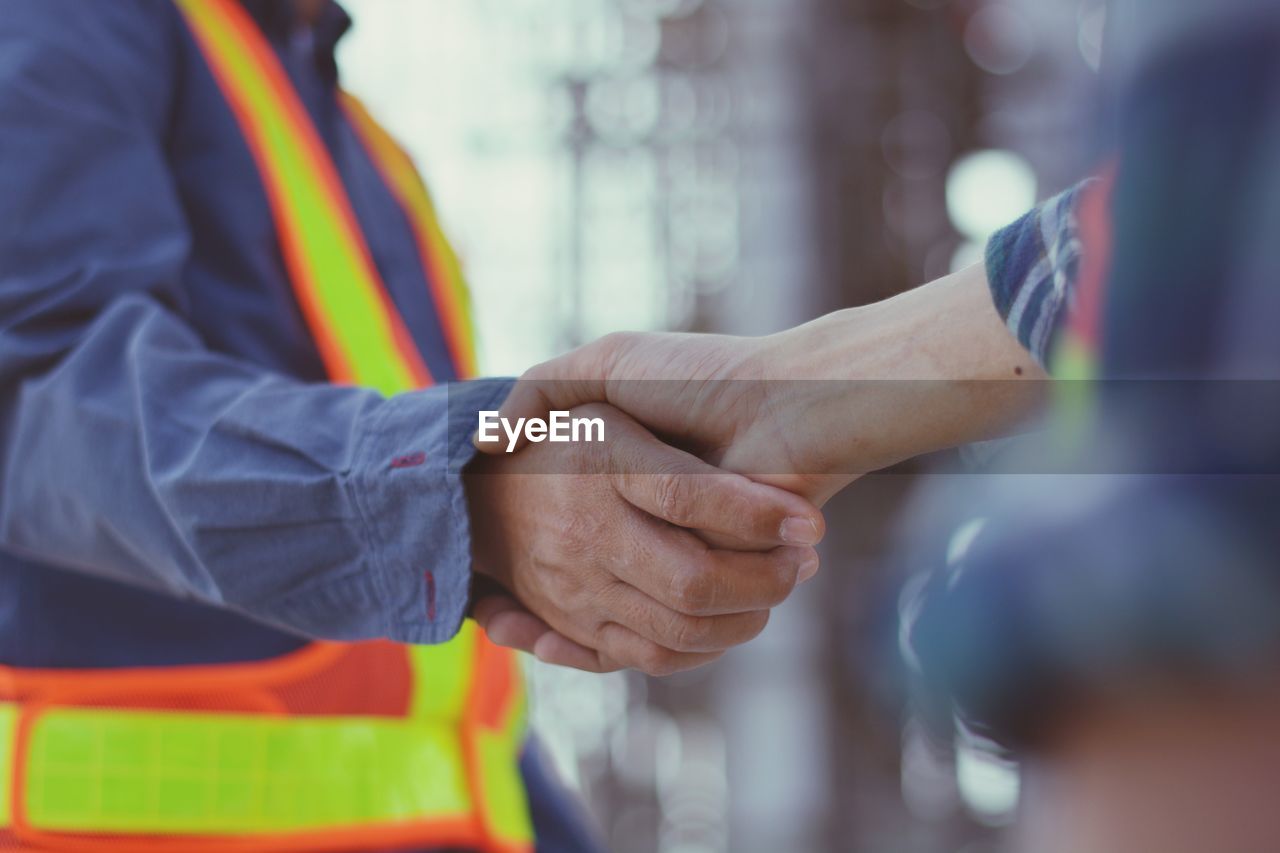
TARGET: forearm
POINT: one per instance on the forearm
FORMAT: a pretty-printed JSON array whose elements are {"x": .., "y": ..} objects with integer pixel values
[
  {"x": 932, "y": 368},
  {"x": 960, "y": 358},
  {"x": 143, "y": 458},
  {"x": 947, "y": 329}
]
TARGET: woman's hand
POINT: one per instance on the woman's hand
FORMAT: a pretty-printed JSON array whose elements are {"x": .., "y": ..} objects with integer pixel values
[{"x": 812, "y": 408}]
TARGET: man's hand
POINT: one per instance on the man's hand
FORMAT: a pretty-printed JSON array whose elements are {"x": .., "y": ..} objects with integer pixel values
[{"x": 589, "y": 539}]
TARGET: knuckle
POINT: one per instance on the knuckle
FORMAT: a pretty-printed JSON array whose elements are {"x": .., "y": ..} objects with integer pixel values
[
  {"x": 672, "y": 494},
  {"x": 613, "y": 343},
  {"x": 599, "y": 634},
  {"x": 693, "y": 591},
  {"x": 693, "y": 634},
  {"x": 539, "y": 372},
  {"x": 576, "y": 531},
  {"x": 656, "y": 661},
  {"x": 780, "y": 579},
  {"x": 760, "y": 521}
]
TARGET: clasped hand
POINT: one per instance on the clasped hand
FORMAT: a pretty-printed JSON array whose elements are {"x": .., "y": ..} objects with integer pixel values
[
  {"x": 594, "y": 546},
  {"x": 639, "y": 554}
]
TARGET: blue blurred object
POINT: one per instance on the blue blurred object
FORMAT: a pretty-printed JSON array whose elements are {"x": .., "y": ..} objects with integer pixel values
[{"x": 1154, "y": 554}]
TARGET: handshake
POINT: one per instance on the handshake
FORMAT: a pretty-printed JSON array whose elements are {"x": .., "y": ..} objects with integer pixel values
[{"x": 669, "y": 542}]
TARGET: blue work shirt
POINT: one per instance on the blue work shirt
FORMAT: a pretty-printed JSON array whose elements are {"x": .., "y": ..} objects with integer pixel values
[{"x": 178, "y": 483}]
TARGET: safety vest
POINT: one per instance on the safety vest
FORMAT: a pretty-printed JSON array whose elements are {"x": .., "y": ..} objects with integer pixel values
[
  {"x": 1077, "y": 355},
  {"x": 333, "y": 747},
  {"x": 1079, "y": 347}
]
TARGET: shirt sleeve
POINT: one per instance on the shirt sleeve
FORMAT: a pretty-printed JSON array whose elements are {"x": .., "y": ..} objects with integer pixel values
[
  {"x": 1032, "y": 267},
  {"x": 131, "y": 451}
]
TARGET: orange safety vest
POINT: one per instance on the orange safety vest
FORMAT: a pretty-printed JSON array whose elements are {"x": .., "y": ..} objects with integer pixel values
[
  {"x": 333, "y": 747},
  {"x": 1076, "y": 359}
]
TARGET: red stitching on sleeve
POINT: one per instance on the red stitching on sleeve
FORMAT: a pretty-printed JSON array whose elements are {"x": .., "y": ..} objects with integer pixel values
[{"x": 413, "y": 460}]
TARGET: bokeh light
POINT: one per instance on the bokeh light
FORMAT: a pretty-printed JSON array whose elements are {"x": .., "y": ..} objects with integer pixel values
[
  {"x": 988, "y": 785},
  {"x": 987, "y": 190},
  {"x": 1000, "y": 38}
]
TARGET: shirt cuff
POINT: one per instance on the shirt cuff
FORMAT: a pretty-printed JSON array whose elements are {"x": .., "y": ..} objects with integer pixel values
[
  {"x": 1032, "y": 268},
  {"x": 407, "y": 484}
]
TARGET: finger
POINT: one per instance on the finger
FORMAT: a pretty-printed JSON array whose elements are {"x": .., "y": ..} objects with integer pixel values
[
  {"x": 625, "y": 646},
  {"x": 736, "y": 581},
  {"x": 680, "y": 632},
  {"x": 679, "y": 571},
  {"x": 681, "y": 489},
  {"x": 558, "y": 650},
  {"x": 507, "y": 623}
]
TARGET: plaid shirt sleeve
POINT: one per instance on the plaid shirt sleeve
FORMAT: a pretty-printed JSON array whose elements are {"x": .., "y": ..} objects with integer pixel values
[{"x": 1032, "y": 267}]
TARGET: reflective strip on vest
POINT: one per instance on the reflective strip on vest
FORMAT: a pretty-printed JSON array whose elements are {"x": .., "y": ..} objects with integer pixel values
[
  {"x": 358, "y": 331},
  {"x": 140, "y": 772},
  {"x": 1076, "y": 357},
  {"x": 448, "y": 287},
  {"x": 1078, "y": 351},
  {"x": 8, "y": 731},
  {"x": 446, "y": 774}
]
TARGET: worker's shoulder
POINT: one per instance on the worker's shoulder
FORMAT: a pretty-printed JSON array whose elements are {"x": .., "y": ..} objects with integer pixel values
[
  {"x": 120, "y": 54},
  {"x": 94, "y": 30}
]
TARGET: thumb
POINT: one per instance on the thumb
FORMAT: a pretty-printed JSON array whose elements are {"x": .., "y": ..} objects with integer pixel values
[
  {"x": 508, "y": 623},
  {"x": 561, "y": 384}
]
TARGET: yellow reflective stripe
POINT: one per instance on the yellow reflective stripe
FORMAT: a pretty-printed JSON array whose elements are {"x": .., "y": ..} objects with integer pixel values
[
  {"x": 1074, "y": 367},
  {"x": 1073, "y": 359},
  {"x": 507, "y": 808},
  {"x": 442, "y": 676},
  {"x": 8, "y": 730},
  {"x": 206, "y": 774},
  {"x": 361, "y": 339},
  {"x": 444, "y": 272},
  {"x": 442, "y": 688},
  {"x": 505, "y": 796}
]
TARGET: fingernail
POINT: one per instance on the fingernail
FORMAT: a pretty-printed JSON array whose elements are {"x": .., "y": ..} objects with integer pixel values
[
  {"x": 540, "y": 648},
  {"x": 799, "y": 531},
  {"x": 808, "y": 569}
]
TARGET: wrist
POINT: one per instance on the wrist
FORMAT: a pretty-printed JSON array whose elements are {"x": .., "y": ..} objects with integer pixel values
[
  {"x": 930, "y": 369},
  {"x": 945, "y": 330},
  {"x": 485, "y": 489}
]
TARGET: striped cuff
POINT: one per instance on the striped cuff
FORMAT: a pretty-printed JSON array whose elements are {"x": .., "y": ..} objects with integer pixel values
[{"x": 1031, "y": 266}]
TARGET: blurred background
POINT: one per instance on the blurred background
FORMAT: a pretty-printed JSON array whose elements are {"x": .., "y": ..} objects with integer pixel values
[{"x": 739, "y": 166}]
